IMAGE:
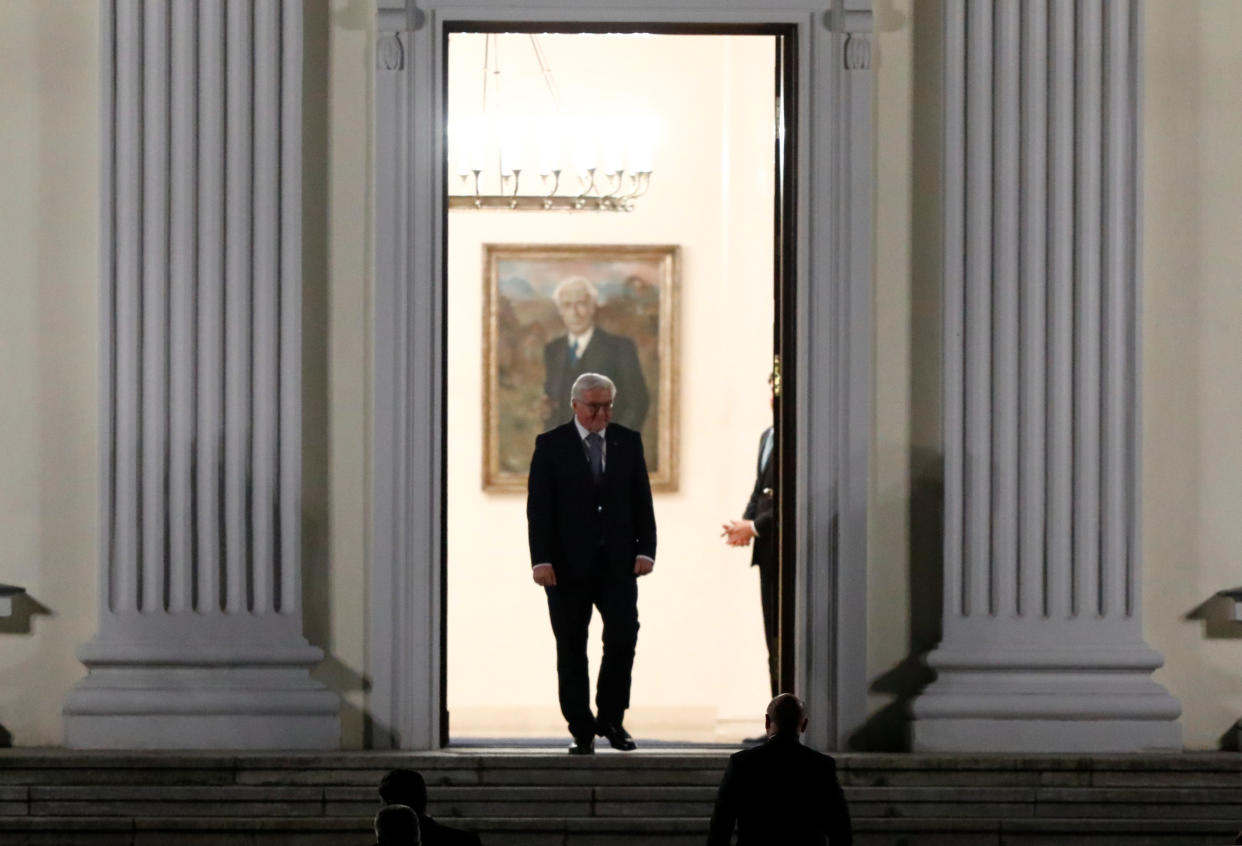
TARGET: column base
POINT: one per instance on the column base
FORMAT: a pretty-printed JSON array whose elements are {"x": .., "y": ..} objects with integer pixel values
[
  {"x": 233, "y": 732},
  {"x": 1059, "y": 700},
  {"x": 1034, "y": 736},
  {"x": 218, "y": 696}
]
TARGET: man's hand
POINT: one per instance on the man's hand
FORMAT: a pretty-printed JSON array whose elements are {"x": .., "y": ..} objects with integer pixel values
[
  {"x": 544, "y": 575},
  {"x": 643, "y": 566},
  {"x": 739, "y": 532}
]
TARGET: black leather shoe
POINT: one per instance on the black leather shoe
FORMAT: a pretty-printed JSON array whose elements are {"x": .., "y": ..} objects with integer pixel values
[
  {"x": 617, "y": 736},
  {"x": 582, "y": 746}
]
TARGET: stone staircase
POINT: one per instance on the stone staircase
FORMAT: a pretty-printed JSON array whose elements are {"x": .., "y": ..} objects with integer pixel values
[{"x": 660, "y": 798}]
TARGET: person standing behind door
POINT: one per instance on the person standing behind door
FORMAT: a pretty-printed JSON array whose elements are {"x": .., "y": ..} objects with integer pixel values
[
  {"x": 592, "y": 533},
  {"x": 758, "y": 526},
  {"x": 587, "y": 348}
]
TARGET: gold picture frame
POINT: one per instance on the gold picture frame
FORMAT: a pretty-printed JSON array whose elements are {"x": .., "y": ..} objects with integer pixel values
[{"x": 526, "y": 348}]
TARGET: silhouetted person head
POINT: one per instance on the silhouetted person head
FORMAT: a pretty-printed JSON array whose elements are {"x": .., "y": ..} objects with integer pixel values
[
  {"x": 786, "y": 716},
  {"x": 404, "y": 787},
  {"x": 397, "y": 825}
]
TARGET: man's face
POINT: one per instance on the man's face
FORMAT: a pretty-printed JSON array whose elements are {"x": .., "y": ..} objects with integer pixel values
[
  {"x": 577, "y": 308},
  {"x": 594, "y": 410}
]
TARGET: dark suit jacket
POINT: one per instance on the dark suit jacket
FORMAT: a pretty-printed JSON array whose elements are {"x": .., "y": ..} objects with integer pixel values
[
  {"x": 569, "y": 518},
  {"x": 762, "y": 508},
  {"x": 435, "y": 834},
  {"x": 780, "y": 792},
  {"x": 616, "y": 357}
]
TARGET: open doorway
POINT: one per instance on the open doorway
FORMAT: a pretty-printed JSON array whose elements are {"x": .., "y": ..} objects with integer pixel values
[{"x": 701, "y": 246}]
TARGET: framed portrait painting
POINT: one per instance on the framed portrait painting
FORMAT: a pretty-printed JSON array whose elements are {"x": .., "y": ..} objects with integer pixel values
[{"x": 553, "y": 312}]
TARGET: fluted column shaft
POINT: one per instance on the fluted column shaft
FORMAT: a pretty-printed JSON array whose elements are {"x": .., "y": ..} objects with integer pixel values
[
  {"x": 201, "y": 351},
  {"x": 1042, "y": 643}
]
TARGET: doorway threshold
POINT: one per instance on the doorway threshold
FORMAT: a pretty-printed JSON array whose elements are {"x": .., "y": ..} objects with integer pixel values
[{"x": 558, "y": 745}]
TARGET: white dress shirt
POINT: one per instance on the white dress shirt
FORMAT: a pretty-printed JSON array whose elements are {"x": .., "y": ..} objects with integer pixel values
[{"x": 578, "y": 343}]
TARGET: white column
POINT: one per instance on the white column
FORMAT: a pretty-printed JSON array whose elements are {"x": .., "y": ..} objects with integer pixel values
[
  {"x": 1042, "y": 646},
  {"x": 200, "y": 630}
]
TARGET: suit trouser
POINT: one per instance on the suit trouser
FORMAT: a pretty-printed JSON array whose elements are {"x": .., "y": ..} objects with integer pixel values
[
  {"x": 569, "y": 606},
  {"x": 770, "y": 597}
]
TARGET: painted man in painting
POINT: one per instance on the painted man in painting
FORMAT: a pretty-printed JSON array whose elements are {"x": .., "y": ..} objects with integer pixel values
[{"x": 587, "y": 348}]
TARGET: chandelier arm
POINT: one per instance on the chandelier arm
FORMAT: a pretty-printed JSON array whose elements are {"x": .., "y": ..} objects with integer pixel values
[
  {"x": 513, "y": 198},
  {"x": 581, "y": 199},
  {"x": 633, "y": 187},
  {"x": 642, "y": 180},
  {"x": 556, "y": 183},
  {"x": 615, "y": 181}
]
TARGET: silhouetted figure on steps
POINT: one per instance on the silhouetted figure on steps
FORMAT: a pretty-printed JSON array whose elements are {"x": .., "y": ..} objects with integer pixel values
[
  {"x": 781, "y": 792},
  {"x": 407, "y": 787},
  {"x": 396, "y": 825}
]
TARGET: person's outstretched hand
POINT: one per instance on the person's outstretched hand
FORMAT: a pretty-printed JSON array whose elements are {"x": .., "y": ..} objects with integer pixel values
[{"x": 739, "y": 532}]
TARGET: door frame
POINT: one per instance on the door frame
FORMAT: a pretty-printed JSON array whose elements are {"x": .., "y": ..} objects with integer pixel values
[{"x": 831, "y": 361}]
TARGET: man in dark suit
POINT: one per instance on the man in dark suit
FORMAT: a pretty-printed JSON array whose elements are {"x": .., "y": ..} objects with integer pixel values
[
  {"x": 758, "y": 525},
  {"x": 781, "y": 792},
  {"x": 403, "y": 787},
  {"x": 592, "y": 533},
  {"x": 586, "y": 348}
]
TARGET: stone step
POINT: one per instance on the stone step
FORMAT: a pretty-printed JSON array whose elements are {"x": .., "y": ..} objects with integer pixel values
[
  {"x": 610, "y": 800},
  {"x": 18, "y": 766},
  {"x": 53, "y": 796},
  {"x": 613, "y": 801},
  {"x": 349, "y": 831}
]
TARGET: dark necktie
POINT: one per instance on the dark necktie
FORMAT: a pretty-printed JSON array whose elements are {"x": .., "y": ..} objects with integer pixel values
[
  {"x": 595, "y": 451},
  {"x": 573, "y": 353}
]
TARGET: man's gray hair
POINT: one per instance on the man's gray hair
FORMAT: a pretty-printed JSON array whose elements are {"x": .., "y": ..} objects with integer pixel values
[
  {"x": 589, "y": 382},
  {"x": 570, "y": 282}
]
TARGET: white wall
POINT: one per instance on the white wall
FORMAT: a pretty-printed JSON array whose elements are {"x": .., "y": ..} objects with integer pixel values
[
  {"x": 336, "y": 394},
  {"x": 904, "y": 539},
  {"x": 700, "y": 649},
  {"x": 49, "y": 464},
  {"x": 1192, "y": 355}
]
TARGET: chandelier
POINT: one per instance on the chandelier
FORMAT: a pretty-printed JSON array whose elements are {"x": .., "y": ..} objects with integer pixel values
[{"x": 517, "y": 155}]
